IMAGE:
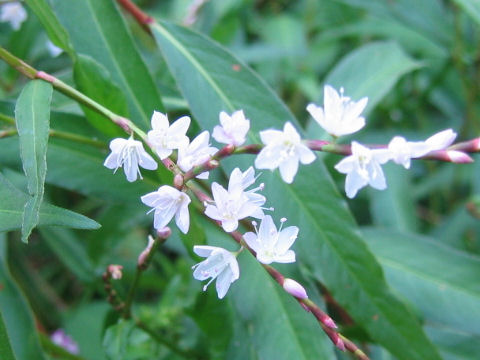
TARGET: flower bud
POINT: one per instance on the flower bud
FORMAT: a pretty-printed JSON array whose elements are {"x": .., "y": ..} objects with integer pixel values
[
  {"x": 164, "y": 233},
  {"x": 294, "y": 289},
  {"x": 458, "y": 157},
  {"x": 178, "y": 181},
  {"x": 115, "y": 271}
]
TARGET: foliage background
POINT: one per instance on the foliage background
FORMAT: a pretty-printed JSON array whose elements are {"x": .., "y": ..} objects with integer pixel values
[{"x": 417, "y": 61}]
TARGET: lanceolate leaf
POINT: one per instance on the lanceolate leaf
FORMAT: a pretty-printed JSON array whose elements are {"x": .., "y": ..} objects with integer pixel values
[
  {"x": 94, "y": 81},
  {"x": 440, "y": 281},
  {"x": 5, "y": 348},
  {"x": 371, "y": 70},
  {"x": 54, "y": 29},
  {"x": 212, "y": 80},
  {"x": 11, "y": 211},
  {"x": 96, "y": 29},
  {"x": 17, "y": 316},
  {"x": 32, "y": 115}
]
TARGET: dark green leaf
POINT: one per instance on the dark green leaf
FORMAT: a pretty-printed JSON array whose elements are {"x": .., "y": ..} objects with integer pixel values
[
  {"x": 371, "y": 70},
  {"x": 212, "y": 80},
  {"x": 11, "y": 211},
  {"x": 16, "y": 314},
  {"x": 471, "y": 7},
  {"x": 440, "y": 281},
  {"x": 97, "y": 29},
  {"x": 55, "y": 30},
  {"x": 32, "y": 115},
  {"x": 5, "y": 348},
  {"x": 94, "y": 81},
  {"x": 65, "y": 245}
]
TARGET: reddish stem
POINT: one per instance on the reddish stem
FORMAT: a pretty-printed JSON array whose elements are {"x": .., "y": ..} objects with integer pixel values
[{"x": 143, "y": 19}]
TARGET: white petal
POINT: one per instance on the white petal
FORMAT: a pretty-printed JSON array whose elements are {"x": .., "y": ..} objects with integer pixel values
[
  {"x": 286, "y": 238},
  {"x": 146, "y": 161},
  {"x": 131, "y": 169},
  {"x": 220, "y": 136},
  {"x": 441, "y": 140},
  {"x": 307, "y": 156},
  {"x": 288, "y": 169},
  {"x": 204, "y": 250},
  {"x": 251, "y": 240},
  {"x": 111, "y": 161},
  {"x": 180, "y": 126},
  {"x": 117, "y": 145},
  {"x": 163, "y": 153},
  {"x": 267, "y": 159},
  {"x": 229, "y": 225},
  {"x": 288, "y": 257},
  {"x": 182, "y": 217},
  {"x": 223, "y": 282},
  {"x": 353, "y": 183},
  {"x": 291, "y": 133},
  {"x": 271, "y": 136},
  {"x": 267, "y": 233},
  {"x": 264, "y": 258},
  {"x": 346, "y": 165},
  {"x": 159, "y": 121}
]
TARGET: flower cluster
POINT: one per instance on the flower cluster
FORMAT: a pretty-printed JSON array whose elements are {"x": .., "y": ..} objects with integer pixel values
[
  {"x": 14, "y": 13},
  {"x": 282, "y": 149}
]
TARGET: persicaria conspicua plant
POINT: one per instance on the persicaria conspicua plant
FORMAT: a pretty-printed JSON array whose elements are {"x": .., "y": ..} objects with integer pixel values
[{"x": 235, "y": 201}]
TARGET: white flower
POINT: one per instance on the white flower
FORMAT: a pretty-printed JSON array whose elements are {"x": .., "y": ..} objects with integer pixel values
[
  {"x": 402, "y": 150},
  {"x": 165, "y": 137},
  {"x": 53, "y": 50},
  {"x": 13, "y": 13},
  {"x": 220, "y": 264},
  {"x": 129, "y": 154},
  {"x": 196, "y": 153},
  {"x": 235, "y": 204},
  {"x": 284, "y": 150},
  {"x": 340, "y": 115},
  {"x": 363, "y": 168},
  {"x": 167, "y": 202},
  {"x": 272, "y": 245},
  {"x": 233, "y": 129}
]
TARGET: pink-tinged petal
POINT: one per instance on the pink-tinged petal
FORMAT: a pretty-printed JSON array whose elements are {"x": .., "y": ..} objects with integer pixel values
[
  {"x": 353, "y": 183},
  {"x": 287, "y": 257},
  {"x": 270, "y": 136},
  {"x": 286, "y": 238},
  {"x": 180, "y": 126},
  {"x": 159, "y": 121},
  {"x": 295, "y": 289},
  {"x": 441, "y": 140},
  {"x": 459, "y": 157},
  {"x": 223, "y": 283},
  {"x": 251, "y": 240},
  {"x": 307, "y": 156},
  {"x": 204, "y": 250},
  {"x": 288, "y": 169},
  {"x": 147, "y": 162},
  {"x": 230, "y": 225}
]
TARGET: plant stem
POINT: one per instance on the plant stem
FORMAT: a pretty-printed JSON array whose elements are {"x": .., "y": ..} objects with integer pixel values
[
  {"x": 71, "y": 92},
  {"x": 7, "y": 119}
]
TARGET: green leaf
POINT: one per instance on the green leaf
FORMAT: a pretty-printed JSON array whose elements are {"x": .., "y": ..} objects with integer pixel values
[
  {"x": 471, "y": 7},
  {"x": 5, "y": 348},
  {"x": 11, "y": 211},
  {"x": 371, "y": 70},
  {"x": 32, "y": 115},
  {"x": 97, "y": 29},
  {"x": 211, "y": 79},
  {"x": 440, "y": 281},
  {"x": 55, "y": 30},
  {"x": 66, "y": 246},
  {"x": 94, "y": 81},
  {"x": 18, "y": 319}
]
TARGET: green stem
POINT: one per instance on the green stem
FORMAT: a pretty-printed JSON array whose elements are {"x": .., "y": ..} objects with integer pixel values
[
  {"x": 71, "y": 92},
  {"x": 7, "y": 119}
]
